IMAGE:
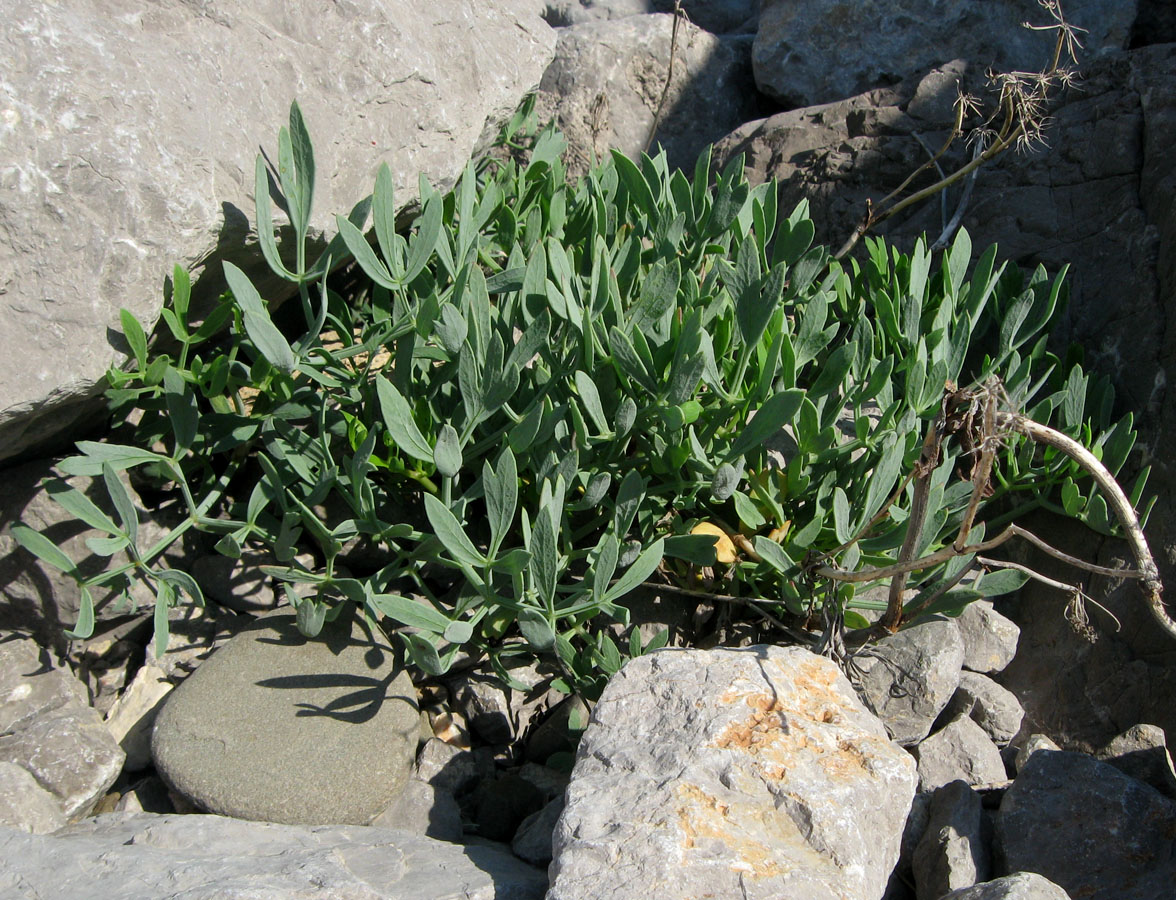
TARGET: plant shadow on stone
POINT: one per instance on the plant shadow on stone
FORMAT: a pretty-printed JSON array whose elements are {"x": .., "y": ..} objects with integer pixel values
[{"x": 543, "y": 395}]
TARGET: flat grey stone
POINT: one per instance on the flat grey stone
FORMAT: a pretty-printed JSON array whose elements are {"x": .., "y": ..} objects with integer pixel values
[
  {"x": 990, "y": 639},
  {"x": 1094, "y": 831},
  {"x": 960, "y": 750},
  {"x": 730, "y": 773},
  {"x": 991, "y": 706},
  {"x": 1018, "y": 886},
  {"x": 144, "y": 857},
  {"x": 278, "y": 728},
  {"x": 1142, "y": 752},
  {"x": 909, "y": 677},
  {"x": 47, "y": 728},
  {"x": 114, "y": 172},
  {"x": 953, "y": 853},
  {"x": 25, "y": 805}
]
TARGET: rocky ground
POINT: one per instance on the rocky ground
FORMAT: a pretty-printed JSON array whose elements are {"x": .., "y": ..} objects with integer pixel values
[{"x": 998, "y": 755}]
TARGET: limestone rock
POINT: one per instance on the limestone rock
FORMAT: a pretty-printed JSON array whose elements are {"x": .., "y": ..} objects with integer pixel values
[
  {"x": 142, "y": 857},
  {"x": 1018, "y": 886},
  {"x": 1032, "y": 744},
  {"x": 728, "y": 771},
  {"x": 497, "y": 714},
  {"x": 606, "y": 81},
  {"x": 960, "y": 750},
  {"x": 715, "y": 16},
  {"x": 909, "y": 677},
  {"x": 114, "y": 169},
  {"x": 1089, "y": 828},
  {"x": 1142, "y": 752},
  {"x": 992, "y": 707},
  {"x": 279, "y": 728},
  {"x": 990, "y": 639},
  {"x": 825, "y": 50},
  {"x": 953, "y": 852},
  {"x": 423, "y": 809},
  {"x": 47, "y": 728},
  {"x": 24, "y": 804}
]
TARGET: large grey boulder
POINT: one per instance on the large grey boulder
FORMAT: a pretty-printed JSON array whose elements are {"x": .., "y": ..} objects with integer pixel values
[
  {"x": 825, "y": 50},
  {"x": 960, "y": 750},
  {"x": 24, "y": 804},
  {"x": 143, "y": 857},
  {"x": 606, "y": 82},
  {"x": 953, "y": 852},
  {"x": 908, "y": 678},
  {"x": 48, "y": 729},
  {"x": 1089, "y": 828},
  {"x": 750, "y": 773},
  {"x": 280, "y": 728},
  {"x": 1142, "y": 752},
  {"x": 130, "y": 134}
]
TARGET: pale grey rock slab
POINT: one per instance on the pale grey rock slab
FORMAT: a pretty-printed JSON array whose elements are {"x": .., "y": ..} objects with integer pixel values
[
  {"x": 47, "y": 728},
  {"x": 909, "y": 677},
  {"x": 606, "y": 82},
  {"x": 960, "y": 750},
  {"x": 423, "y": 809},
  {"x": 532, "y": 841},
  {"x": 1089, "y": 828},
  {"x": 280, "y": 728},
  {"x": 1142, "y": 752},
  {"x": 25, "y": 805},
  {"x": 1018, "y": 886},
  {"x": 990, "y": 638},
  {"x": 114, "y": 168},
  {"x": 991, "y": 706},
  {"x": 953, "y": 852},
  {"x": 825, "y": 50},
  {"x": 719, "y": 772},
  {"x": 565, "y": 13},
  {"x": 199, "y": 857}
]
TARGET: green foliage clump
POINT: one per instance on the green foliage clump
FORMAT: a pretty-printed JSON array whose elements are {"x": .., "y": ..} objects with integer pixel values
[{"x": 540, "y": 389}]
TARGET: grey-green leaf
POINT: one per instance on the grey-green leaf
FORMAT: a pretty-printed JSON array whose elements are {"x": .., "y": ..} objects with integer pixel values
[
  {"x": 261, "y": 330},
  {"x": 450, "y": 533},
  {"x": 447, "y": 452},
  {"x": 399, "y": 421}
]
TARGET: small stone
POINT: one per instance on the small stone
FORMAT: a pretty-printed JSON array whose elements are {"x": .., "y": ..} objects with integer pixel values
[
  {"x": 952, "y": 853},
  {"x": 452, "y": 769},
  {"x": 551, "y": 782},
  {"x": 423, "y": 809},
  {"x": 1033, "y": 743},
  {"x": 149, "y": 795},
  {"x": 532, "y": 841},
  {"x": 1142, "y": 752},
  {"x": 988, "y": 704},
  {"x": 990, "y": 639},
  {"x": 1018, "y": 886},
  {"x": 960, "y": 750},
  {"x": 909, "y": 677},
  {"x": 132, "y": 716},
  {"x": 25, "y": 805}
]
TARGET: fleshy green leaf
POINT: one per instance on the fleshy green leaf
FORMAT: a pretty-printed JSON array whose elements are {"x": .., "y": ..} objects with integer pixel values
[
  {"x": 450, "y": 533},
  {"x": 261, "y": 330},
  {"x": 447, "y": 452},
  {"x": 399, "y": 421},
  {"x": 635, "y": 575},
  {"x": 43, "y": 548}
]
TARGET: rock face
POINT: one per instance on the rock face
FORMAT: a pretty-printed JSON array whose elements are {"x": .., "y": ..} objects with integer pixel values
[
  {"x": 48, "y": 729},
  {"x": 817, "y": 52},
  {"x": 115, "y": 166},
  {"x": 24, "y": 804},
  {"x": 1089, "y": 828},
  {"x": 711, "y": 773},
  {"x": 960, "y": 750},
  {"x": 953, "y": 852},
  {"x": 606, "y": 82},
  {"x": 141, "y": 857},
  {"x": 278, "y": 728}
]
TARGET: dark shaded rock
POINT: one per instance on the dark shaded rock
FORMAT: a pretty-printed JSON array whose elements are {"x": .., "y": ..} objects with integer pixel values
[
  {"x": 1089, "y": 828},
  {"x": 532, "y": 840},
  {"x": 953, "y": 852},
  {"x": 503, "y": 804},
  {"x": 423, "y": 809},
  {"x": 1142, "y": 752},
  {"x": 265, "y": 728}
]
